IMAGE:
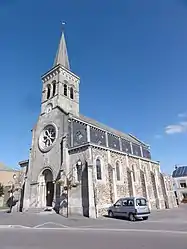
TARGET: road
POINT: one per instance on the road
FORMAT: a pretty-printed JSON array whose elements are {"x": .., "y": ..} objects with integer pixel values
[
  {"x": 83, "y": 239},
  {"x": 165, "y": 229}
]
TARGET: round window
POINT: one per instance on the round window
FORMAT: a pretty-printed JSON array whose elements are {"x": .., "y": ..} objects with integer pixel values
[{"x": 48, "y": 137}]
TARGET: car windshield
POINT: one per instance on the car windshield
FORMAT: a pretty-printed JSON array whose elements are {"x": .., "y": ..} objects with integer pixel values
[{"x": 141, "y": 202}]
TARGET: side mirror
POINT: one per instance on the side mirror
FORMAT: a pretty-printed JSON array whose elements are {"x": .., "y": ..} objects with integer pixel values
[{"x": 117, "y": 205}]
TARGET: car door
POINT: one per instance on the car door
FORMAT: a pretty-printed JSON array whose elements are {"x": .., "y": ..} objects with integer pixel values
[
  {"x": 125, "y": 207},
  {"x": 130, "y": 207},
  {"x": 117, "y": 208},
  {"x": 141, "y": 206}
]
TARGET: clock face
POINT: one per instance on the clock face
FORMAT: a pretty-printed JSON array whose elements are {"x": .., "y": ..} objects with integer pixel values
[{"x": 49, "y": 108}]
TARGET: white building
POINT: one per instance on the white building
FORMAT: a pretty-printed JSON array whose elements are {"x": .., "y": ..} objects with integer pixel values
[{"x": 180, "y": 181}]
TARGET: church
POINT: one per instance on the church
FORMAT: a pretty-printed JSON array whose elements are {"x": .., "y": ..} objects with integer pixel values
[{"x": 80, "y": 166}]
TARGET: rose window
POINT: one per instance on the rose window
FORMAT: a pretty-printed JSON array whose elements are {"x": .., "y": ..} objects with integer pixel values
[{"x": 47, "y": 137}]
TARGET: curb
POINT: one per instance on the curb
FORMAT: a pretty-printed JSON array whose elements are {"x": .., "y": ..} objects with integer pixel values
[{"x": 4, "y": 210}]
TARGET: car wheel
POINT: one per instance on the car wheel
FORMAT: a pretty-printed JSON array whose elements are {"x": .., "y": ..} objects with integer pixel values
[
  {"x": 110, "y": 214},
  {"x": 131, "y": 217},
  {"x": 145, "y": 218}
]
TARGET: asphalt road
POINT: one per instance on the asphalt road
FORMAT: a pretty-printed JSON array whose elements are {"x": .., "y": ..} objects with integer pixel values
[
  {"x": 165, "y": 229},
  {"x": 78, "y": 239},
  {"x": 173, "y": 219}
]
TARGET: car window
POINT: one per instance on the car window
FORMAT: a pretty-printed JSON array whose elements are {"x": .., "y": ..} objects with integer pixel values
[
  {"x": 124, "y": 203},
  {"x": 118, "y": 203},
  {"x": 130, "y": 203},
  {"x": 141, "y": 202}
]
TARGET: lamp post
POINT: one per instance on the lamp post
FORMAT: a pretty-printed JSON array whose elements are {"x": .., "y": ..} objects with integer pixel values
[{"x": 13, "y": 184}]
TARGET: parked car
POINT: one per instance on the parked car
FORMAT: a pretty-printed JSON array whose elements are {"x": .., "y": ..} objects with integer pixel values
[{"x": 133, "y": 208}]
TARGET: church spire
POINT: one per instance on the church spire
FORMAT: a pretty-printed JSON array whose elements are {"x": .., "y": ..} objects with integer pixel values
[{"x": 62, "y": 54}]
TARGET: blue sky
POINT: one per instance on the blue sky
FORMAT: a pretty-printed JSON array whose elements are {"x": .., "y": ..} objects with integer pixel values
[{"x": 131, "y": 56}]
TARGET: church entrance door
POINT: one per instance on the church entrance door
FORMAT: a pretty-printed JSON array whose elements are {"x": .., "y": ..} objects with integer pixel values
[
  {"x": 48, "y": 176},
  {"x": 50, "y": 193}
]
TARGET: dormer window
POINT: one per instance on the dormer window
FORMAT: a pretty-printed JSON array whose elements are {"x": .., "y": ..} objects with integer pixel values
[
  {"x": 71, "y": 93},
  {"x": 65, "y": 90}
]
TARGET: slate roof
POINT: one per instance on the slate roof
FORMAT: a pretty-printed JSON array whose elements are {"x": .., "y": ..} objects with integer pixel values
[
  {"x": 180, "y": 172},
  {"x": 62, "y": 54},
  {"x": 128, "y": 137}
]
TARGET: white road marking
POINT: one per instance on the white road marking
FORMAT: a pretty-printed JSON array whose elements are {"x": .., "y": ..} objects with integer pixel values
[
  {"x": 79, "y": 229},
  {"x": 91, "y": 229},
  {"x": 6, "y": 226},
  {"x": 46, "y": 223},
  {"x": 166, "y": 221},
  {"x": 13, "y": 226}
]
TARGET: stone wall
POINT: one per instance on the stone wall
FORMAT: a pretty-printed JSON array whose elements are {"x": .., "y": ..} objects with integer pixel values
[
  {"x": 141, "y": 183},
  {"x": 102, "y": 188},
  {"x": 123, "y": 184},
  {"x": 168, "y": 191},
  {"x": 138, "y": 177},
  {"x": 78, "y": 195},
  {"x": 134, "y": 165}
]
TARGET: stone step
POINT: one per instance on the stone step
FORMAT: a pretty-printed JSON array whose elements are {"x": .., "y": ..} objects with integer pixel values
[
  {"x": 35, "y": 210},
  {"x": 40, "y": 210}
]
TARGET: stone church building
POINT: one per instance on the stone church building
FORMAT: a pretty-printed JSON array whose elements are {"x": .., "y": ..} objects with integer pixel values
[{"x": 78, "y": 161}]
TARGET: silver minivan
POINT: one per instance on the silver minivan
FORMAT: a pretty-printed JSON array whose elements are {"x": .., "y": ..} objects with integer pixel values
[{"x": 133, "y": 208}]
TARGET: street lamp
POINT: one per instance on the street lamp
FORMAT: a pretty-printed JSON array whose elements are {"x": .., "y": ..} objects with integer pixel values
[
  {"x": 14, "y": 176},
  {"x": 79, "y": 170}
]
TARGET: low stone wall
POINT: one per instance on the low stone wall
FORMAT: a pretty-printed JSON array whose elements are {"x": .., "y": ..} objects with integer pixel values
[
  {"x": 162, "y": 204},
  {"x": 102, "y": 212},
  {"x": 152, "y": 204},
  {"x": 2, "y": 201}
]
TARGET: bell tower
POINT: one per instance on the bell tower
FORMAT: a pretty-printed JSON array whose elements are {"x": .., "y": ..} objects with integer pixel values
[{"x": 60, "y": 84}]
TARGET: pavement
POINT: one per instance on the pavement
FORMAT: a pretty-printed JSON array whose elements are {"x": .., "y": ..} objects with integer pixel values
[{"x": 165, "y": 229}]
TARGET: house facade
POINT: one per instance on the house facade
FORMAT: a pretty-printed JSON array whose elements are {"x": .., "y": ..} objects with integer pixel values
[{"x": 180, "y": 181}]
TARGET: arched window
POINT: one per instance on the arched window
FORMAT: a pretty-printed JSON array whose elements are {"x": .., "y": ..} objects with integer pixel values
[
  {"x": 117, "y": 171},
  {"x": 65, "y": 90},
  {"x": 134, "y": 174},
  {"x": 144, "y": 172},
  {"x": 98, "y": 169},
  {"x": 71, "y": 93},
  {"x": 48, "y": 91},
  {"x": 54, "y": 88}
]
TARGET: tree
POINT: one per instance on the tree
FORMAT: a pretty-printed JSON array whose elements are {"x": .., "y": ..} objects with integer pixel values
[{"x": 1, "y": 190}]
